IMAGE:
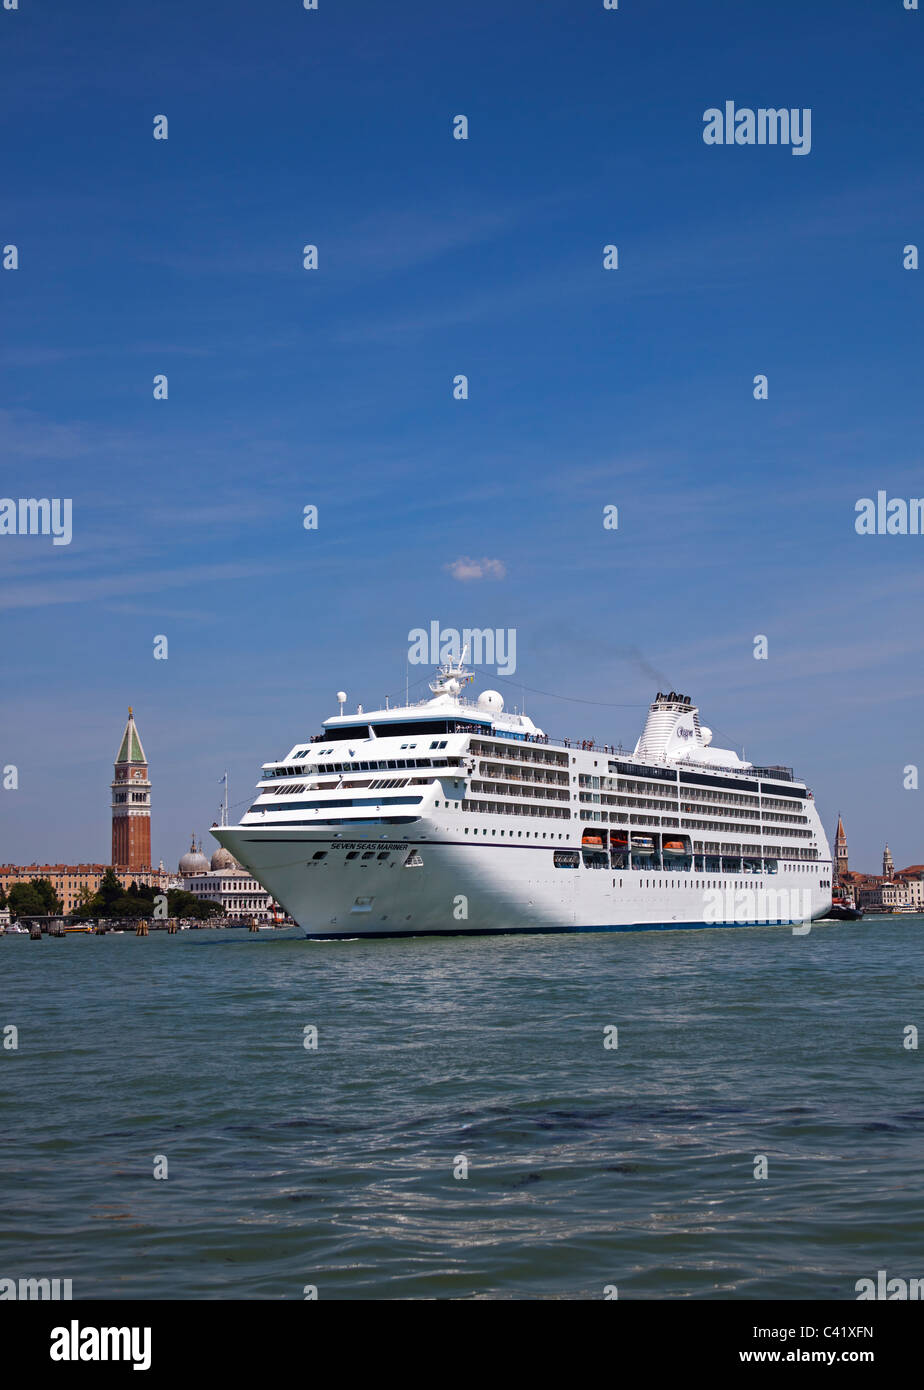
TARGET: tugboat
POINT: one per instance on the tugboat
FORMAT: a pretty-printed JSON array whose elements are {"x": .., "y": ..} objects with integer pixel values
[{"x": 842, "y": 911}]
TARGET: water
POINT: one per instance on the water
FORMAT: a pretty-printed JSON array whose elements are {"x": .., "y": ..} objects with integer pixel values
[{"x": 587, "y": 1166}]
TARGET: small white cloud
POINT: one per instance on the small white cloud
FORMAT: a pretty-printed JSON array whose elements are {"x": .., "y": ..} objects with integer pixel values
[{"x": 466, "y": 568}]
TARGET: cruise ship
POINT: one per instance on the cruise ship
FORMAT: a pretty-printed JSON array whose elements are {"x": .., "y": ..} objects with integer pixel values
[{"x": 453, "y": 816}]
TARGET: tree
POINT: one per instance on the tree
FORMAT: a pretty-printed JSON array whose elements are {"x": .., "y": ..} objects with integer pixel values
[
  {"x": 108, "y": 893},
  {"x": 34, "y": 898},
  {"x": 24, "y": 900},
  {"x": 86, "y": 903},
  {"x": 206, "y": 908},
  {"x": 2, "y": 898},
  {"x": 183, "y": 904}
]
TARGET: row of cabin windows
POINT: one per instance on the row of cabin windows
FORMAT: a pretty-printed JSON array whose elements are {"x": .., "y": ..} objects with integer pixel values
[
  {"x": 771, "y": 812},
  {"x": 671, "y": 822},
  {"x": 325, "y": 769},
  {"x": 519, "y": 834},
  {"x": 539, "y": 793},
  {"x": 518, "y": 752},
  {"x": 706, "y": 884},
  {"x": 542, "y": 776},
  {"x": 406, "y": 728},
  {"x": 725, "y": 798},
  {"x": 514, "y": 808},
  {"x": 725, "y": 825}
]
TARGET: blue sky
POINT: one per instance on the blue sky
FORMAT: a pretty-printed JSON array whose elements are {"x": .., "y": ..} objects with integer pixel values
[{"x": 484, "y": 257}]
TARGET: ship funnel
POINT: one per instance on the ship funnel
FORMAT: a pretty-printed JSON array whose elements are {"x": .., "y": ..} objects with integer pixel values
[{"x": 671, "y": 729}]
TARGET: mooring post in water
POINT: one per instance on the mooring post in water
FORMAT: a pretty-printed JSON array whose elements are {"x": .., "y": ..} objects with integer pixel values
[
  {"x": 254, "y": 924},
  {"x": 171, "y": 927},
  {"x": 141, "y": 929},
  {"x": 35, "y": 932}
]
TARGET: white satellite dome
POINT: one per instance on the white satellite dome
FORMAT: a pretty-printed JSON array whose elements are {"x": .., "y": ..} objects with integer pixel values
[
  {"x": 706, "y": 735},
  {"x": 491, "y": 701}
]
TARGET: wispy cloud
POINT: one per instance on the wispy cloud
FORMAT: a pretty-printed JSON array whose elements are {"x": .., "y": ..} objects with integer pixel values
[
  {"x": 465, "y": 569},
  {"x": 67, "y": 590}
]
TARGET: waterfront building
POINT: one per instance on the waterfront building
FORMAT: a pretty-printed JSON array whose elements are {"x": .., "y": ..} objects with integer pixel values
[
  {"x": 193, "y": 862},
  {"x": 913, "y": 879},
  {"x": 69, "y": 879},
  {"x": 224, "y": 881},
  {"x": 893, "y": 890},
  {"x": 885, "y": 896}
]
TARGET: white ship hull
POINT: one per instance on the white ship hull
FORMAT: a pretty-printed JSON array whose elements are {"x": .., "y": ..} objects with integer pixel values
[{"x": 473, "y": 888}]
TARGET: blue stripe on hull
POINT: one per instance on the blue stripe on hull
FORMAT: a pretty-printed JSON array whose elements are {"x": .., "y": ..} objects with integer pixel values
[{"x": 538, "y": 931}]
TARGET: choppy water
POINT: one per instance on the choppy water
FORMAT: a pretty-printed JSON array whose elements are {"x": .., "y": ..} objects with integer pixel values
[{"x": 587, "y": 1166}]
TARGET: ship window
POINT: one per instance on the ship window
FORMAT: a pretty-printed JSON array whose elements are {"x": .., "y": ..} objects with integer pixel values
[
  {"x": 353, "y": 854},
  {"x": 347, "y": 731},
  {"x": 320, "y": 854}
]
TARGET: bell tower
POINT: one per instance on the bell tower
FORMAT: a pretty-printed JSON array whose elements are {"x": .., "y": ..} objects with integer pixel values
[
  {"x": 131, "y": 803},
  {"x": 840, "y": 851},
  {"x": 888, "y": 868}
]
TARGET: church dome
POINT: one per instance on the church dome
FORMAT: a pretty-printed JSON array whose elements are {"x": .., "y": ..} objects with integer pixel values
[
  {"x": 223, "y": 859},
  {"x": 193, "y": 861}
]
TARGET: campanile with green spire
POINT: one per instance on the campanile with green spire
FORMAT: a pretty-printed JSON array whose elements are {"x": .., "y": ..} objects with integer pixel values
[{"x": 131, "y": 803}]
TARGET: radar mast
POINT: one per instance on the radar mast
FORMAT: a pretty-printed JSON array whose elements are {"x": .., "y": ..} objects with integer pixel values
[{"x": 451, "y": 676}]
